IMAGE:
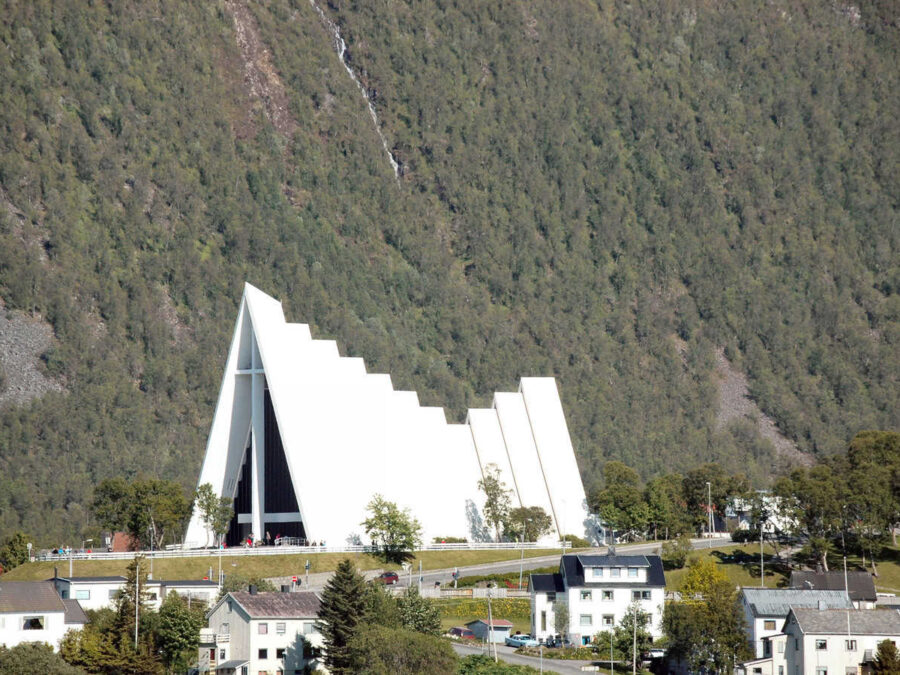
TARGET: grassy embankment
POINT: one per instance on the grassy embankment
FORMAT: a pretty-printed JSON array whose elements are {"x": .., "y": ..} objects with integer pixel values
[{"x": 265, "y": 566}]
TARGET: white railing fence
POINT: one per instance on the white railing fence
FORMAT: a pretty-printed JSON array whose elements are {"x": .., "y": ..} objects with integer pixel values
[{"x": 291, "y": 550}]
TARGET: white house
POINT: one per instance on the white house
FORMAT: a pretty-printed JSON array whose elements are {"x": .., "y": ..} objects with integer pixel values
[
  {"x": 596, "y": 592},
  {"x": 826, "y": 642},
  {"x": 251, "y": 632},
  {"x": 295, "y": 419},
  {"x": 765, "y": 609},
  {"x": 776, "y": 519},
  {"x": 100, "y": 592},
  {"x": 193, "y": 590},
  {"x": 90, "y": 592},
  {"x": 32, "y": 611}
]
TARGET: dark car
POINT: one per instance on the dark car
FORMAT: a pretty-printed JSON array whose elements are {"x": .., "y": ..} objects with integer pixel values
[
  {"x": 388, "y": 578},
  {"x": 461, "y": 633}
]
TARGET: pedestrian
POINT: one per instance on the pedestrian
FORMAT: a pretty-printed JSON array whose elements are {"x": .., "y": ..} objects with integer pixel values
[{"x": 268, "y": 538}]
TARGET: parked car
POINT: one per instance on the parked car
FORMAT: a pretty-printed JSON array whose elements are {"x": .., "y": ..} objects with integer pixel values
[
  {"x": 521, "y": 640},
  {"x": 388, "y": 578},
  {"x": 461, "y": 633}
]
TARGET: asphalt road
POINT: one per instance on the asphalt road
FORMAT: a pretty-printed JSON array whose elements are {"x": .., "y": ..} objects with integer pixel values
[
  {"x": 508, "y": 654},
  {"x": 445, "y": 576}
]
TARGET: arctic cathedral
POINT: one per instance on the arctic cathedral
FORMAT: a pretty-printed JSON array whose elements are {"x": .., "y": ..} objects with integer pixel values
[{"x": 303, "y": 438}]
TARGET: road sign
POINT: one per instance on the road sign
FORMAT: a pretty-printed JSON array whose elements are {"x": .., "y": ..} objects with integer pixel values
[
  {"x": 294, "y": 579},
  {"x": 307, "y": 565}
]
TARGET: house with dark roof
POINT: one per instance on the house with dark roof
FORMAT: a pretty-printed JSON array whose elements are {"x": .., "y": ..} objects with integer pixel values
[
  {"x": 858, "y": 583},
  {"x": 765, "y": 610},
  {"x": 594, "y": 592},
  {"x": 252, "y": 632},
  {"x": 827, "y": 641},
  {"x": 32, "y": 611}
]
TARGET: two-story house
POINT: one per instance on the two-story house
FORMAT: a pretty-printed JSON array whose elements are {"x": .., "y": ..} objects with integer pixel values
[
  {"x": 765, "y": 610},
  {"x": 595, "y": 591},
  {"x": 252, "y": 633},
  {"x": 827, "y": 642},
  {"x": 32, "y": 611}
]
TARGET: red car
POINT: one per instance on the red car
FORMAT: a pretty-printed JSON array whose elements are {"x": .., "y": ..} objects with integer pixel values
[
  {"x": 388, "y": 578},
  {"x": 461, "y": 633}
]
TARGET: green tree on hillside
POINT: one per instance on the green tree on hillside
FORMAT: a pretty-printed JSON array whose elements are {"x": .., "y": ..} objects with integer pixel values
[
  {"x": 709, "y": 607},
  {"x": 496, "y": 498},
  {"x": 216, "y": 512},
  {"x": 385, "y": 651},
  {"x": 393, "y": 531},
  {"x": 147, "y": 509},
  {"x": 14, "y": 550},
  {"x": 341, "y": 613},
  {"x": 418, "y": 613},
  {"x": 531, "y": 521}
]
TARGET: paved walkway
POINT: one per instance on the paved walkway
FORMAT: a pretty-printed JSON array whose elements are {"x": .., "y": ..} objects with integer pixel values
[{"x": 508, "y": 654}]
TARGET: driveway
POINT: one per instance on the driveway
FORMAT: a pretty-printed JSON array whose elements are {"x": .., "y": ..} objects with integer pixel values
[{"x": 508, "y": 654}]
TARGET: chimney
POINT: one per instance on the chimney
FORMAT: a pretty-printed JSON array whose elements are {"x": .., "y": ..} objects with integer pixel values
[
  {"x": 55, "y": 572},
  {"x": 285, "y": 588},
  {"x": 253, "y": 589}
]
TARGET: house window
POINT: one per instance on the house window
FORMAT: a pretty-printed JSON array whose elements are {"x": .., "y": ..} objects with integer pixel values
[
  {"x": 82, "y": 595},
  {"x": 224, "y": 629},
  {"x": 596, "y": 572},
  {"x": 64, "y": 595},
  {"x": 768, "y": 625},
  {"x": 586, "y": 620},
  {"x": 780, "y": 670},
  {"x": 543, "y": 621},
  {"x": 33, "y": 623},
  {"x": 645, "y": 595},
  {"x": 263, "y": 629},
  {"x": 821, "y": 670},
  {"x": 607, "y": 595},
  {"x": 821, "y": 644},
  {"x": 152, "y": 596},
  {"x": 309, "y": 627},
  {"x": 632, "y": 572},
  {"x": 851, "y": 645},
  {"x": 586, "y": 595},
  {"x": 615, "y": 571},
  {"x": 551, "y": 597},
  {"x": 635, "y": 595},
  {"x": 757, "y": 671},
  {"x": 221, "y": 655},
  {"x": 608, "y": 620},
  {"x": 113, "y": 593},
  {"x": 279, "y": 653},
  {"x": 780, "y": 647},
  {"x": 280, "y": 627},
  {"x": 263, "y": 653}
]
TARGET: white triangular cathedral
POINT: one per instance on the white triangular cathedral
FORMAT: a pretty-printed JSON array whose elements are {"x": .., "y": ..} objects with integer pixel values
[{"x": 303, "y": 438}]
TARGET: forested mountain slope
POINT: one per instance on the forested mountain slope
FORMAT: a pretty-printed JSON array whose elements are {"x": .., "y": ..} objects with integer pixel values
[{"x": 607, "y": 192}]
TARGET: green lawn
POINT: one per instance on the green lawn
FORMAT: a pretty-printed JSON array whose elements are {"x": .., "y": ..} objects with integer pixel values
[
  {"x": 739, "y": 562},
  {"x": 265, "y": 566}
]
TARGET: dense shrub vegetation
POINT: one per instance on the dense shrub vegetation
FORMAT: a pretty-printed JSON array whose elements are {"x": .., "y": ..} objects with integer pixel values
[{"x": 605, "y": 191}]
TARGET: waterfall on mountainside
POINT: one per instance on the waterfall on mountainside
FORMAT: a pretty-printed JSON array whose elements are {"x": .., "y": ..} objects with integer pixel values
[{"x": 341, "y": 48}]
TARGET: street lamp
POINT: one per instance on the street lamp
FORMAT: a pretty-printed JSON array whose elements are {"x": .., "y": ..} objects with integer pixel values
[{"x": 710, "y": 524}]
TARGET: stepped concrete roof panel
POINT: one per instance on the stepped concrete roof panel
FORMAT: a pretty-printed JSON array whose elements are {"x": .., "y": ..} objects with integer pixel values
[
  {"x": 841, "y": 621},
  {"x": 337, "y": 435},
  {"x": 777, "y": 602}
]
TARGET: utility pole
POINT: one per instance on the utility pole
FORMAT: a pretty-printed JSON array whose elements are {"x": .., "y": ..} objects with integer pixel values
[
  {"x": 522, "y": 560},
  {"x": 634, "y": 644},
  {"x": 611, "y": 662},
  {"x": 709, "y": 512},
  {"x": 137, "y": 599},
  {"x": 762, "y": 560},
  {"x": 491, "y": 625}
]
